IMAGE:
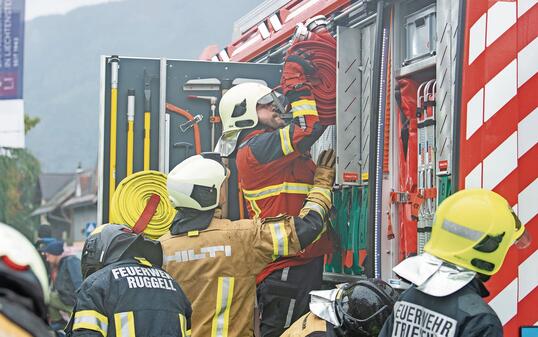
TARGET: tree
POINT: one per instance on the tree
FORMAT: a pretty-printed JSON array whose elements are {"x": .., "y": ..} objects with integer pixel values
[
  {"x": 18, "y": 186},
  {"x": 30, "y": 122}
]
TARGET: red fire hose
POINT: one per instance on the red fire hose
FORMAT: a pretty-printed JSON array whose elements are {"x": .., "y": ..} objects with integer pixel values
[{"x": 320, "y": 50}]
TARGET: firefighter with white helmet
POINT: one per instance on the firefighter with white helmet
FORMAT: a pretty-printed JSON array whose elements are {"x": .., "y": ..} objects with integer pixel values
[
  {"x": 216, "y": 260},
  {"x": 356, "y": 309},
  {"x": 275, "y": 172},
  {"x": 24, "y": 287},
  {"x": 125, "y": 292},
  {"x": 472, "y": 232}
]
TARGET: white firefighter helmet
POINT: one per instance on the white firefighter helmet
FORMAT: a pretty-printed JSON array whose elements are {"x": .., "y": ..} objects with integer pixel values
[
  {"x": 237, "y": 109},
  {"x": 195, "y": 182},
  {"x": 21, "y": 264}
]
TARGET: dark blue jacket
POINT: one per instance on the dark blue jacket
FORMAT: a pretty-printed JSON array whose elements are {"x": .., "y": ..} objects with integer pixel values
[
  {"x": 135, "y": 298},
  {"x": 461, "y": 314},
  {"x": 68, "y": 279}
]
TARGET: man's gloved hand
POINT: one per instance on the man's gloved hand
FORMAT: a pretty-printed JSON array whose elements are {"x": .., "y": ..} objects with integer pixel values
[
  {"x": 325, "y": 171},
  {"x": 303, "y": 61},
  {"x": 297, "y": 67}
]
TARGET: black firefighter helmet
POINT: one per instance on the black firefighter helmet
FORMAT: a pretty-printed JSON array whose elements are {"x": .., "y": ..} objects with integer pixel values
[
  {"x": 111, "y": 242},
  {"x": 362, "y": 307}
]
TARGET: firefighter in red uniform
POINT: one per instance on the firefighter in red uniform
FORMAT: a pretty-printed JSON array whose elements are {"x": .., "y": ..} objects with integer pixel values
[{"x": 275, "y": 173}]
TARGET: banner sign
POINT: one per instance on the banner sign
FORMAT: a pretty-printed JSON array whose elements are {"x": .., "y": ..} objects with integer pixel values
[{"x": 11, "y": 48}]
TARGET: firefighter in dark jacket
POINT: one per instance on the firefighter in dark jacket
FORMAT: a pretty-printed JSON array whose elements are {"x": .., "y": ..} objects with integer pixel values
[
  {"x": 65, "y": 277},
  {"x": 352, "y": 310},
  {"x": 471, "y": 235},
  {"x": 276, "y": 172},
  {"x": 23, "y": 287},
  {"x": 216, "y": 260},
  {"x": 125, "y": 292}
]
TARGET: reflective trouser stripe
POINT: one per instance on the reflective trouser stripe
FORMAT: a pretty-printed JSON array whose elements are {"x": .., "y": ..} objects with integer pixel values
[
  {"x": 290, "y": 313},
  {"x": 222, "y": 311},
  {"x": 124, "y": 322},
  {"x": 91, "y": 320},
  {"x": 280, "y": 239},
  {"x": 285, "y": 140},
  {"x": 274, "y": 190},
  {"x": 183, "y": 325}
]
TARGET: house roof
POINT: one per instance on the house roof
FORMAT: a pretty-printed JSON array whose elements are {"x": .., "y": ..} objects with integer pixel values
[
  {"x": 64, "y": 194},
  {"x": 88, "y": 191},
  {"x": 52, "y": 183},
  {"x": 88, "y": 199},
  {"x": 57, "y": 199}
]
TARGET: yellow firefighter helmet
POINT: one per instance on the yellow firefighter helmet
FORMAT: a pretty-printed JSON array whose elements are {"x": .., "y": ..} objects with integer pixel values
[{"x": 474, "y": 229}]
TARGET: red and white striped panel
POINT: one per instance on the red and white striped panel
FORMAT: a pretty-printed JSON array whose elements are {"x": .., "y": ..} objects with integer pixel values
[{"x": 499, "y": 136}]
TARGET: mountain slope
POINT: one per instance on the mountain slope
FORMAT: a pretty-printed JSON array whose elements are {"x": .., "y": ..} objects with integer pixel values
[{"x": 62, "y": 63}]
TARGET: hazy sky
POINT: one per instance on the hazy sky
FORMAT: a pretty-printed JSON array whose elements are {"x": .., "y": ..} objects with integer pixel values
[{"x": 35, "y": 8}]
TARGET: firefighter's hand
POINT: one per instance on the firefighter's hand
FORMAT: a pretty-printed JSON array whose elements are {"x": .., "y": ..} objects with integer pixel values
[
  {"x": 325, "y": 171},
  {"x": 302, "y": 60}
]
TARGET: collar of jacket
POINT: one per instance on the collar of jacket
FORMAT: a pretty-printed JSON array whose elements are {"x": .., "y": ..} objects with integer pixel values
[
  {"x": 479, "y": 287},
  {"x": 434, "y": 276},
  {"x": 247, "y": 134},
  {"x": 188, "y": 219}
]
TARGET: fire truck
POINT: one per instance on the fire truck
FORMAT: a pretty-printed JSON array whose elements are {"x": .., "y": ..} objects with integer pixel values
[{"x": 432, "y": 97}]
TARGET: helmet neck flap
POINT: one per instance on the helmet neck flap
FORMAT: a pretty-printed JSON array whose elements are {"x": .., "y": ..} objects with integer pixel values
[{"x": 189, "y": 219}]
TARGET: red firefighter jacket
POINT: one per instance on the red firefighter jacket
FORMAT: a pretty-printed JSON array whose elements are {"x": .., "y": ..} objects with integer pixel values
[{"x": 276, "y": 174}]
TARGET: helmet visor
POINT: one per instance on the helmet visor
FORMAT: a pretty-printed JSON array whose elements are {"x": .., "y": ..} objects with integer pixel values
[
  {"x": 524, "y": 240},
  {"x": 523, "y": 237},
  {"x": 278, "y": 101}
]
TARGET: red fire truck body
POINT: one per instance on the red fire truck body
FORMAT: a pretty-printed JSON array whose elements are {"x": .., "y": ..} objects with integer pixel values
[{"x": 480, "y": 59}]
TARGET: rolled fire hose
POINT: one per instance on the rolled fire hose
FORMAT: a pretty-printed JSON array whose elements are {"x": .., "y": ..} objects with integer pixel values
[
  {"x": 134, "y": 195},
  {"x": 320, "y": 49}
]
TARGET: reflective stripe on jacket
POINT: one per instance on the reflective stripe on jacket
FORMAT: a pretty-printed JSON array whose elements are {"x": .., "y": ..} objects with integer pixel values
[
  {"x": 128, "y": 299},
  {"x": 461, "y": 314},
  {"x": 276, "y": 174},
  {"x": 273, "y": 170},
  {"x": 217, "y": 266}
]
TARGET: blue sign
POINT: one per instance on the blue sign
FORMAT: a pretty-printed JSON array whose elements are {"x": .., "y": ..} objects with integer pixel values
[
  {"x": 11, "y": 48},
  {"x": 528, "y": 331},
  {"x": 89, "y": 228}
]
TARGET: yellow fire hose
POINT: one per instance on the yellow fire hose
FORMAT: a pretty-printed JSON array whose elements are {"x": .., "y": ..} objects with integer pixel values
[{"x": 133, "y": 195}]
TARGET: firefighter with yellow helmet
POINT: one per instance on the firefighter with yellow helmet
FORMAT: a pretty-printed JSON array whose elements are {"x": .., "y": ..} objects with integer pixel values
[
  {"x": 472, "y": 232},
  {"x": 216, "y": 260}
]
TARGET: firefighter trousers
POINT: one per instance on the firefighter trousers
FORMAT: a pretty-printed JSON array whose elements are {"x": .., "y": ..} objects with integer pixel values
[{"x": 283, "y": 296}]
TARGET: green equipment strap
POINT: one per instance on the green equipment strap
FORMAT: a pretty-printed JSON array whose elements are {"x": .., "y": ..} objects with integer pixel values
[
  {"x": 444, "y": 188},
  {"x": 354, "y": 223},
  {"x": 335, "y": 265},
  {"x": 363, "y": 224}
]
